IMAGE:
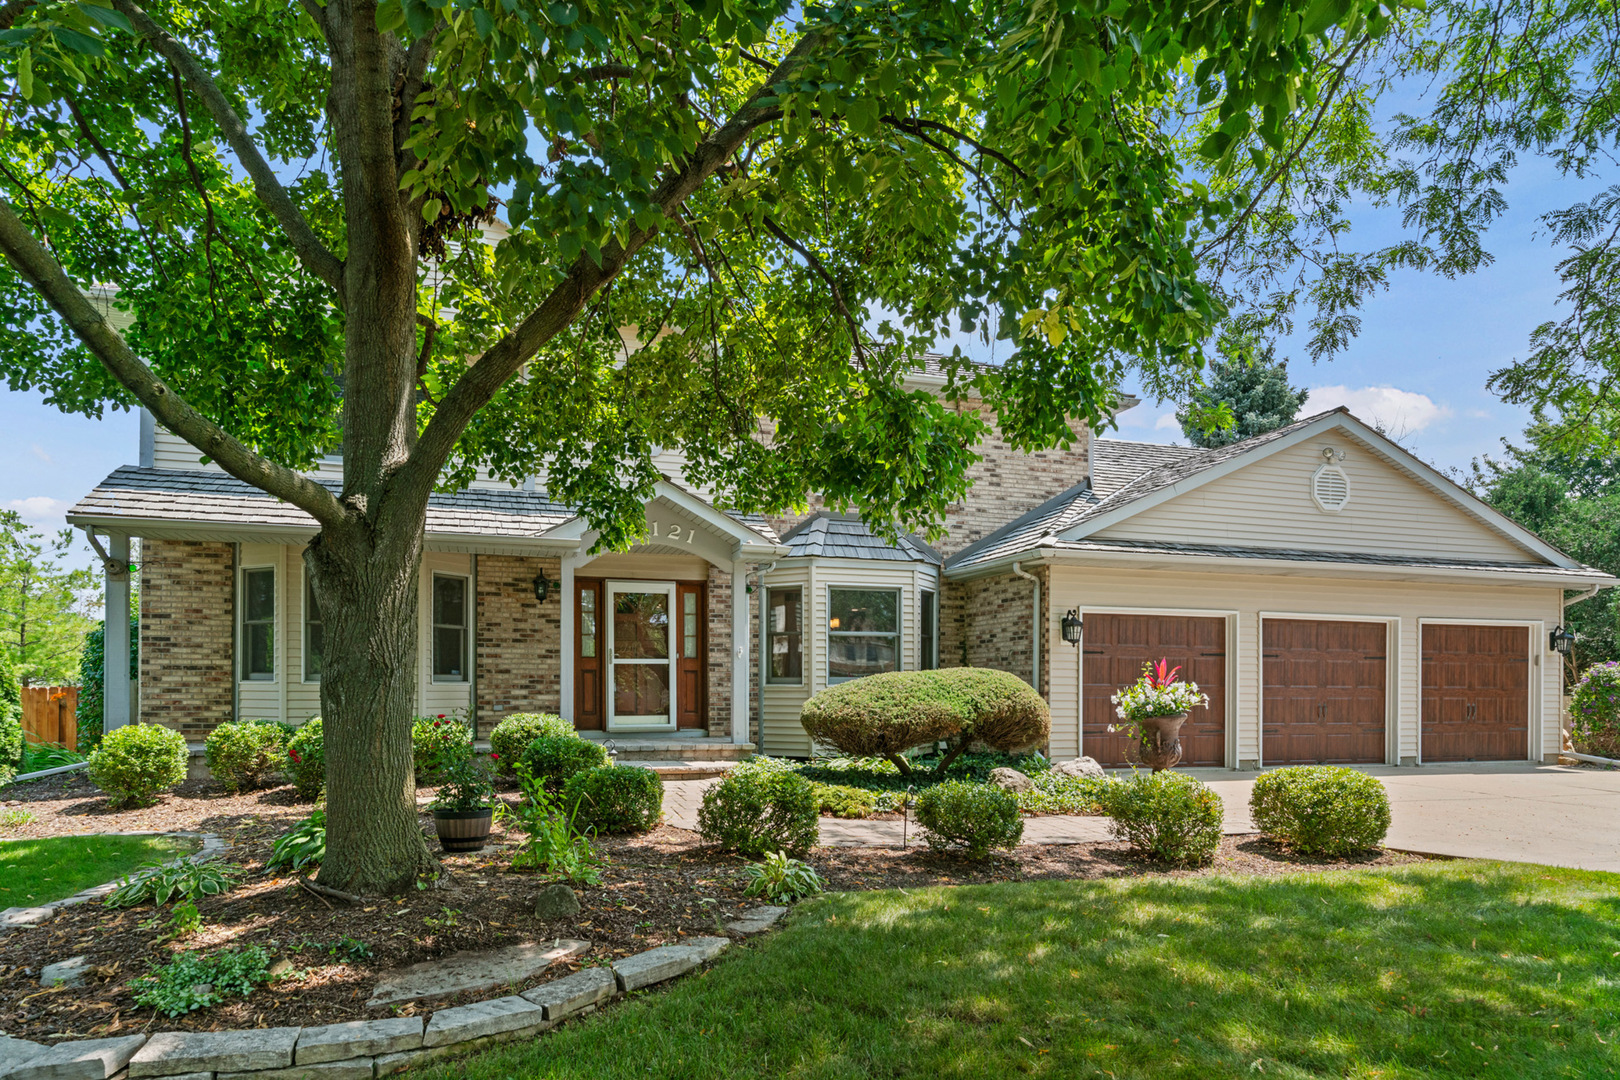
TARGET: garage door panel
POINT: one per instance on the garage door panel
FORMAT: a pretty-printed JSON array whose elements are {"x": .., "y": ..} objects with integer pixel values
[
  {"x": 1476, "y": 693},
  {"x": 1324, "y": 697},
  {"x": 1115, "y": 648}
]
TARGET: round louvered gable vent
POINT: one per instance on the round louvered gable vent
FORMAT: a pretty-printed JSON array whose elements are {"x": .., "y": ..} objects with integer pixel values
[{"x": 1330, "y": 487}]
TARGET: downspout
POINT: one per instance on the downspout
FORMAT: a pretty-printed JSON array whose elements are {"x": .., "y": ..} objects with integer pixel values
[
  {"x": 1034, "y": 627},
  {"x": 760, "y": 570}
]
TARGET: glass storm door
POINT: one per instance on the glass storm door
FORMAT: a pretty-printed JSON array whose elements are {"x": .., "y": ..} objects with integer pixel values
[{"x": 642, "y": 684}]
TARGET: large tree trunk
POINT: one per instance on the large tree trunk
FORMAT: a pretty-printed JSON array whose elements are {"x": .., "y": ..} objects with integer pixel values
[{"x": 368, "y": 602}]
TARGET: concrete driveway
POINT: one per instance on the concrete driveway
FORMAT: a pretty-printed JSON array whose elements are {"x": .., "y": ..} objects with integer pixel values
[{"x": 1551, "y": 814}]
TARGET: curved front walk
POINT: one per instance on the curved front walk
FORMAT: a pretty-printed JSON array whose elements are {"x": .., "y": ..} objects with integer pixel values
[{"x": 1551, "y": 814}]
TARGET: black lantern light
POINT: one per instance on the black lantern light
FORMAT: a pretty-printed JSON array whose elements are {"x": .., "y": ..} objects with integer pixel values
[
  {"x": 1561, "y": 641},
  {"x": 542, "y": 587},
  {"x": 1072, "y": 628}
]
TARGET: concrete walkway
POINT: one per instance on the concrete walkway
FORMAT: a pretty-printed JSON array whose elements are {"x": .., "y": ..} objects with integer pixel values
[{"x": 1550, "y": 814}]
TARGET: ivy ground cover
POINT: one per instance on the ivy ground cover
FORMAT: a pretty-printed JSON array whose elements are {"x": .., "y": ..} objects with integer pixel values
[{"x": 1431, "y": 970}]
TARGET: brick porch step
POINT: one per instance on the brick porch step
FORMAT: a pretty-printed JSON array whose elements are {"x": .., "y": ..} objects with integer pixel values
[
  {"x": 687, "y": 770},
  {"x": 644, "y": 750}
]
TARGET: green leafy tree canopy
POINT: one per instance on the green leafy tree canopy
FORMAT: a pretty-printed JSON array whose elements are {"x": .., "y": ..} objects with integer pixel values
[
  {"x": 1245, "y": 394},
  {"x": 46, "y": 608}
]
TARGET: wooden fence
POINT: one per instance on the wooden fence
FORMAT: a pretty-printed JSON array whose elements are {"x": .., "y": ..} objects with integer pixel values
[{"x": 50, "y": 715}]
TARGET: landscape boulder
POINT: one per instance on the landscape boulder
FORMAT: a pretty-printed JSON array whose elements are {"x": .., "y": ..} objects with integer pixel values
[
  {"x": 1011, "y": 780},
  {"x": 1080, "y": 766}
]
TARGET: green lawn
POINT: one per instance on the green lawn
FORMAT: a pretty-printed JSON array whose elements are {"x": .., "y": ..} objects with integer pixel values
[
  {"x": 34, "y": 872},
  {"x": 1437, "y": 970}
]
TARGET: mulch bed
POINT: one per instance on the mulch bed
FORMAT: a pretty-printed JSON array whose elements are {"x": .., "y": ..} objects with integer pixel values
[{"x": 656, "y": 889}]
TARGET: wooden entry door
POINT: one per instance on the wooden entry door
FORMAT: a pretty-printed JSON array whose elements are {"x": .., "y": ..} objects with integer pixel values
[
  {"x": 1324, "y": 694},
  {"x": 1114, "y": 649},
  {"x": 1476, "y": 693},
  {"x": 592, "y": 664}
]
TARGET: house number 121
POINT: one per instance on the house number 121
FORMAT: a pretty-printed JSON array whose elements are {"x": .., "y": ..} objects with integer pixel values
[{"x": 675, "y": 533}]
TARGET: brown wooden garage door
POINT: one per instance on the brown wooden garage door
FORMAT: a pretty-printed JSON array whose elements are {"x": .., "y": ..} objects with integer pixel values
[
  {"x": 1116, "y": 647},
  {"x": 1476, "y": 693},
  {"x": 1324, "y": 695}
]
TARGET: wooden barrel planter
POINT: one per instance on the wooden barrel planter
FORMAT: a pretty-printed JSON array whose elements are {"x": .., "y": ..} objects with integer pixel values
[{"x": 463, "y": 830}]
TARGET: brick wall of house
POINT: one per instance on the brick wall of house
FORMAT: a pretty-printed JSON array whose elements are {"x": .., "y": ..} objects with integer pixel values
[
  {"x": 519, "y": 639},
  {"x": 985, "y": 622},
  {"x": 719, "y": 652},
  {"x": 187, "y": 635}
]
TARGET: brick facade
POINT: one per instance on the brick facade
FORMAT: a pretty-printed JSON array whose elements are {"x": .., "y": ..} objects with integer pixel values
[
  {"x": 720, "y": 652},
  {"x": 187, "y": 635},
  {"x": 985, "y": 622},
  {"x": 519, "y": 639}
]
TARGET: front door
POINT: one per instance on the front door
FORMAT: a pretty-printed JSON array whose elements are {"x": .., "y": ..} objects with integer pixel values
[{"x": 641, "y": 681}]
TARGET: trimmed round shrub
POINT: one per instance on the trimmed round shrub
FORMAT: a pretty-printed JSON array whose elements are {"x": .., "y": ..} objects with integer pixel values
[
  {"x": 1321, "y": 809},
  {"x": 306, "y": 760},
  {"x": 514, "y": 733},
  {"x": 759, "y": 811},
  {"x": 615, "y": 799},
  {"x": 245, "y": 754},
  {"x": 135, "y": 762},
  {"x": 976, "y": 817},
  {"x": 1167, "y": 816},
  {"x": 553, "y": 759},
  {"x": 11, "y": 732},
  {"x": 886, "y": 715},
  {"x": 1594, "y": 711},
  {"x": 438, "y": 742}
]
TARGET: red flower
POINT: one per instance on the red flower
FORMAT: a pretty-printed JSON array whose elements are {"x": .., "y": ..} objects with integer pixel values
[
  {"x": 294, "y": 755},
  {"x": 494, "y": 757},
  {"x": 441, "y": 716},
  {"x": 435, "y": 723}
]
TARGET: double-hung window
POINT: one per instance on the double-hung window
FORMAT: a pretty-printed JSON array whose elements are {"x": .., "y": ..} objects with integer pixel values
[
  {"x": 863, "y": 632},
  {"x": 784, "y": 644},
  {"x": 259, "y": 624},
  {"x": 312, "y": 633},
  {"x": 449, "y": 628},
  {"x": 928, "y": 645}
]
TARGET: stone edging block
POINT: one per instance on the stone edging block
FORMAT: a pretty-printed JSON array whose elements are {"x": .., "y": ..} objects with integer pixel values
[
  {"x": 92, "y": 1059},
  {"x": 483, "y": 1018},
  {"x": 568, "y": 995},
  {"x": 352, "y": 1069},
  {"x": 172, "y": 1052},
  {"x": 358, "y": 1038}
]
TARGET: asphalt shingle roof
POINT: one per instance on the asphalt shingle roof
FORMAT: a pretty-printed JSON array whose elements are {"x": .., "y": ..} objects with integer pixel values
[{"x": 845, "y": 536}]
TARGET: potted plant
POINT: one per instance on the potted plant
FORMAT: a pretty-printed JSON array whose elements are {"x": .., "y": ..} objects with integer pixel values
[
  {"x": 464, "y": 807},
  {"x": 1154, "y": 710}
]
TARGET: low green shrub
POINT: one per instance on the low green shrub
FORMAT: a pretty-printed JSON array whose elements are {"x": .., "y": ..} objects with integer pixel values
[
  {"x": 1167, "y": 816},
  {"x": 245, "y": 754},
  {"x": 888, "y": 714},
  {"x": 306, "y": 760},
  {"x": 11, "y": 732},
  {"x": 755, "y": 811},
  {"x": 845, "y": 802},
  {"x": 135, "y": 762},
  {"x": 302, "y": 845},
  {"x": 158, "y": 883},
  {"x": 193, "y": 981},
  {"x": 553, "y": 759},
  {"x": 615, "y": 799},
  {"x": 438, "y": 742},
  {"x": 515, "y": 732},
  {"x": 976, "y": 817},
  {"x": 1054, "y": 794},
  {"x": 1594, "y": 711},
  {"x": 555, "y": 844},
  {"x": 781, "y": 879},
  {"x": 1321, "y": 809}
]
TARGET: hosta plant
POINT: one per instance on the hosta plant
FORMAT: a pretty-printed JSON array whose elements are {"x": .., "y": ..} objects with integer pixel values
[
  {"x": 300, "y": 846},
  {"x": 158, "y": 883},
  {"x": 781, "y": 878}
]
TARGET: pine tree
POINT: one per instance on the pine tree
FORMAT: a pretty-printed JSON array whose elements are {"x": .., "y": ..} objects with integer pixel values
[{"x": 1246, "y": 394}]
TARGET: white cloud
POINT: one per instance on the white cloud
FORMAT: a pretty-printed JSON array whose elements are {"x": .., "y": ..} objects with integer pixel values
[
  {"x": 41, "y": 511},
  {"x": 1167, "y": 422},
  {"x": 39, "y": 452},
  {"x": 1399, "y": 412}
]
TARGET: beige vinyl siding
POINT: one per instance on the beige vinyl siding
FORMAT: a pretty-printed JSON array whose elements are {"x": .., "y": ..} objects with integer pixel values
[
  {"x": 433, "y": 697},
  {"x": 303, "y": 697},
  {"x": 1268, "y": 504},
  {"x": 260, "y": 699},
  {"x": 1242, "y": 599},
  {"x": 639, "y": 567},
  {"x": 781, "y": 733}
]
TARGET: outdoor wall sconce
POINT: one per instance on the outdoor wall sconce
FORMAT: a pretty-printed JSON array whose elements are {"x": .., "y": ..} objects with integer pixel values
[
  {"x": 1561, "y": 641},
  {"x": 542, "y": 587},
  {"x": 1072, "y": 627}
]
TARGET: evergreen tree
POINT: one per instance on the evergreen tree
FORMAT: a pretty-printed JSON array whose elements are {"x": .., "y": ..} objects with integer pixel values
[
  {"x": 43, "y": 605},
  {"x": 1246, "y": 394}
]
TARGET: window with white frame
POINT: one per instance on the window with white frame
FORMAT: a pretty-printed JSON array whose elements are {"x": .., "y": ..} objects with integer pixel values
[
  {"x": 784, "y": 644},
  {"x": 863, "y": 632},
  {"x": 449, "y": 628},
  {"x": 928, "y": 632},
  {"x": 258, "y": 610},
  {"x": 312, "y": 633}
]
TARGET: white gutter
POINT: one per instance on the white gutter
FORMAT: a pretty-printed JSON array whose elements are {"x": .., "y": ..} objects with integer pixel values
[
  {"x": 761, "y": 569},
  {"x": 1034, "y": 628}
]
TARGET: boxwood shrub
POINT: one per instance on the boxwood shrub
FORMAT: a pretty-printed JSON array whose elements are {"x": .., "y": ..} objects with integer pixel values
[
  {"x": 755, "y": 811},
  {"x": 306, "y": 760},
  {"x": 1321, "y": 809},
  {"x": 554, "y": 759},
  {"x": 515, "y": 732},
  {"x": 975, "y": 817},
  {"x": 1167, "y": 816},
  {"x": 887, "y": 714},
  {"x": 1594, "y": 710},
  {"x": 247, "y": 753},
  {"x": 615, "y": 799},
  {"x": 135, "y": 762}
]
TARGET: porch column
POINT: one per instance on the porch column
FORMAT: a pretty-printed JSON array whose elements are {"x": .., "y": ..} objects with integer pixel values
[
  {"x": 565, "y": 621},
  {"x": 739, "y": 653},
  {"x": 116, "y": 705}
]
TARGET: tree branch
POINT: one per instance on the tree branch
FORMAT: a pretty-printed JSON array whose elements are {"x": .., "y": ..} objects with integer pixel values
[
  {"x": 12, "y": 10},
  {"x": 484, "y": 378},
  {"x": 315, "y": 256},
  {"x": 30, "y": 259},
  {"x": 822, "y": 272}
]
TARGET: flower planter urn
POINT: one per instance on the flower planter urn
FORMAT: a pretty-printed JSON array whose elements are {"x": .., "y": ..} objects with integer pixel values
[
  {"x": 463, "y": 830},
  {"x": 1161, "y": 741}
]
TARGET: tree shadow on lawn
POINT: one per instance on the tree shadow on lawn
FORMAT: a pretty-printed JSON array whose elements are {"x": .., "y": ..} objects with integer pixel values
[{"x": 1466, "y": 968}]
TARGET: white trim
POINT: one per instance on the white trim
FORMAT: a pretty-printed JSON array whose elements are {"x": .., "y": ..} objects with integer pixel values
[
  {"x": 606, "y": 621},
  {"x": 565, "y": 643},
  {"x": 118, "y": 700},
  {"x": 1334, "y": 470},
  {"x": 1233, "y": 651},
  {"x": 1392, "y": 675},
  {"x": 242, "y": 571},
  {"x": 1535, "y": 687}
]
